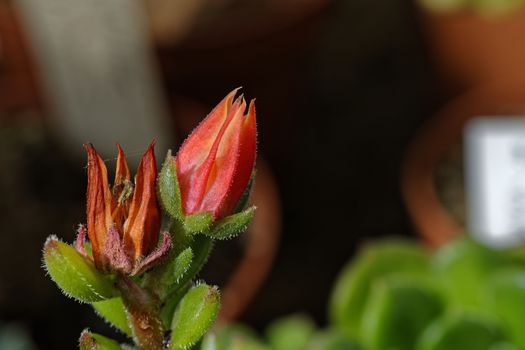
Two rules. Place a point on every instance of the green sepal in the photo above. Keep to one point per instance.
(243, 201)
(198, 222)
(174, 272)
(114, 312)
(232, 225)
(74, 274)
(168, 188)
(290, 333)
(195, 314)
(93, 341)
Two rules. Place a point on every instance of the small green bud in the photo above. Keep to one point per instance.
(168, 187)
(114, 312)
(74, 274)
(194, 315)
(93, 341)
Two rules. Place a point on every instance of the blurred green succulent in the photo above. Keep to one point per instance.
(488, 8)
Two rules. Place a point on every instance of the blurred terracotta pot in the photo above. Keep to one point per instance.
(469, 48)
(18, 88)
(212, 23)
(432, 221)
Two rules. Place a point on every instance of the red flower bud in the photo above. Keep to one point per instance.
(215, 163)
(123, 223)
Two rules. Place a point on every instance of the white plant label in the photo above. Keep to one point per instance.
(495, 180)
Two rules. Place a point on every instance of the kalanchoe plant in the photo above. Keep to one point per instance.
(141, 281)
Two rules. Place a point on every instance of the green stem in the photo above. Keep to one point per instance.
(143, 314)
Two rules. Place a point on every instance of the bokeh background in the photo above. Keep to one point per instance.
(342, 88)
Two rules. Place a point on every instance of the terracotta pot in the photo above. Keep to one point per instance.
(219, 23)
(431, 220)
(18, 88)
(468, 48)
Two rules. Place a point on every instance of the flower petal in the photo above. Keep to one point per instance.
(122, 190)
(157, 255)
(197, 154)
(245, 163)
(100, 204)
(223, 172)
(141, 230)
(114, 251)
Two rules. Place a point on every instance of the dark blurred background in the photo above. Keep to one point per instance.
(342, 86)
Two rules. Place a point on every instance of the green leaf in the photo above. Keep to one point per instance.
(331, 339)
(114, 312)
(290, 333)
(232, 225)
(232, 336)
(505, 297)
(198, 222)
(201, 247)
(173, 273)
(462, 267)
(194, 315)
(461, 332)
(170, 304)
(168, 188)
(445, 6)
(377, 260)
(504, 346)
(93, 341)
(75, 275)
(398, 310)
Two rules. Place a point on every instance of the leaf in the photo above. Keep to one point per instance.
(354, 283)
(232, 225)
(93, 341)
(168, 188)
(398, 310)
(173, 273)
(170, 304)
(462, 266)
(505, 297)
(194, 315)
(113, 311)
(332, 339)
(461, 331)
(290, 333)
(75, 275)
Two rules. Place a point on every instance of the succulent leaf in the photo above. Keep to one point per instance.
(194, 315)
(75, 275)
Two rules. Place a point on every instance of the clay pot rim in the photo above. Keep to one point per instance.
(431, 220)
